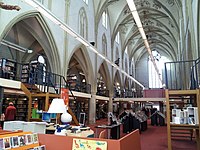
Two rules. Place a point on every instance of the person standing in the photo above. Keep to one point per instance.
(10, 112)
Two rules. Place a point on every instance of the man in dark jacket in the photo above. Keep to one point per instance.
(10, 112)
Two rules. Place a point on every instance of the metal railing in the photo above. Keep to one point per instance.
(182, 75)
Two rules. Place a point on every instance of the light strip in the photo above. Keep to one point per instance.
(16, 47)
(66, 28)
(141, 30)
(136, 17)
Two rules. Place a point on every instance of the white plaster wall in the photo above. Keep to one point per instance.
(142, 74)
(75, 6)
(195, 8)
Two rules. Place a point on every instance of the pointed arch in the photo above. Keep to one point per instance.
(41, 41)
(80, 59)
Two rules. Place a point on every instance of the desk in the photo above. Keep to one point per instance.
(113, 130)
(85, 132)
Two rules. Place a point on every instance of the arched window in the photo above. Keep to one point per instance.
(154, 81)
(104, 45)
(117, 54)
(41, 1)
(86, 1)
(105, 19)
(126, 65)
(83, 23)
(117, 38)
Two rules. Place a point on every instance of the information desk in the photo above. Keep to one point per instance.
(84, 131)
(113, 130)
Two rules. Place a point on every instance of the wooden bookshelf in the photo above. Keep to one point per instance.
(182, 94)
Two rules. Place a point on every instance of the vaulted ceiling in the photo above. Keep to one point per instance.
(160, 20)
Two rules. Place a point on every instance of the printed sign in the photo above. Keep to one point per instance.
(82, 144)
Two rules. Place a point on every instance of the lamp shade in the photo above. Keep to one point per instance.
(57, 106)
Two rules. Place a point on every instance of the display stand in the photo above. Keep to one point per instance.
(19, 140)
(184, 95)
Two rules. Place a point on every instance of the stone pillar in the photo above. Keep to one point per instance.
(110, 105)
(92, 108)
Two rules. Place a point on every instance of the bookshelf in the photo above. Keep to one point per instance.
(174, 116)
(22, 108)
(25, 73)
(21, 103)
(8, 68)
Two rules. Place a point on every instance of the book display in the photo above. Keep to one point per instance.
(20, 140)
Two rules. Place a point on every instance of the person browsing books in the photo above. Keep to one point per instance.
(10, 112)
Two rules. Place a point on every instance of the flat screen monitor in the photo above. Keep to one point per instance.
(82, 119)
(46, 117)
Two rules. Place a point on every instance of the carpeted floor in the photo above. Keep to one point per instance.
(155, 138)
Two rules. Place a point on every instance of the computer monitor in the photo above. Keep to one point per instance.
(82, 119)
(46, 117)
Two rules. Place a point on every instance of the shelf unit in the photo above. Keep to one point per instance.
(21, 103)
(172, 95)
(22, 108)
(28, 70)
(25, 73)
(8, 68)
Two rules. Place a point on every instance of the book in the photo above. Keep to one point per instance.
(37, 148)
(29, 139)
(6, 142)
(35, 138)
(15, 142)
(1, 144)
(42, 147)
(22, 140)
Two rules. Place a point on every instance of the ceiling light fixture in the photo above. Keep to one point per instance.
(16, 47)
(66, 28)
(136, 17)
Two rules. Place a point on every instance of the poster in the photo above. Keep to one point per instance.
(65, 95)
(82, 144)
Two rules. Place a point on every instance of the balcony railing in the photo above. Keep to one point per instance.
(182, 75)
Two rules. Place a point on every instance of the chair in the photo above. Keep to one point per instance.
(103, 134)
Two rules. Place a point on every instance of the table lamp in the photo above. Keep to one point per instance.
(66, 118)
(57, 106)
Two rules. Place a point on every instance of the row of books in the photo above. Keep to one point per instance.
(18, 141)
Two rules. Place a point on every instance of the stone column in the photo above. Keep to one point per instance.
(92, 108)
